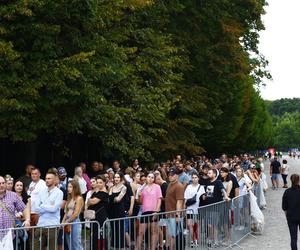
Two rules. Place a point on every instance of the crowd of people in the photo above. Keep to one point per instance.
(119, 192)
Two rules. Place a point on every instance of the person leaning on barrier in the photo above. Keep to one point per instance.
(10, 204)
(48, 207)
(291, 207)
(214, 191)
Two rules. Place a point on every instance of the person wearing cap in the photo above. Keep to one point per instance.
(174, 201)
(63, 179)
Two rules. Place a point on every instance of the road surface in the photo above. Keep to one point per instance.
(276, 234)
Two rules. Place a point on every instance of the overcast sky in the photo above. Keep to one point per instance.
(280, 43)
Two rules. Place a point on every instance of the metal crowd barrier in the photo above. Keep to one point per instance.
(153, 231)
(221, 225)
(217, 226)
(83, 235)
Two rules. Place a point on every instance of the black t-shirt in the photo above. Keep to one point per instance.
(291, 203)
(101, 207)
(127, 197)
(235, 184)
(163, 188)
(275, 167)
(204, 181)
(213, 192)
(25, 197)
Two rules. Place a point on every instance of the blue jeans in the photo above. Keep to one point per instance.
(74, 238)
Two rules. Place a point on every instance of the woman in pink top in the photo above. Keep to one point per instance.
(150, 198)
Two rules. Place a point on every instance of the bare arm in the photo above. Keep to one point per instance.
(228, 188)
(77, 210)
(158, 205)
(121, 195)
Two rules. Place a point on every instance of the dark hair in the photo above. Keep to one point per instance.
(101, 177)
(295, 180)
(121, 175)
(196, 174)
(24, 193)
(35, 168)
(284, 161)
(225, 170)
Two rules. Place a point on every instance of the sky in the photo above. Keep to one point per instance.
(280, 44)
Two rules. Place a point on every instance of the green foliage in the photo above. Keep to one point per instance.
(286, 121)
(286, 131)
(284, 105)
(142, 78)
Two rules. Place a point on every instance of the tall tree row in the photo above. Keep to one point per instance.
(143, 78)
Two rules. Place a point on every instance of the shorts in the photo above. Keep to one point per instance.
(174, 227)
(163, 222)
(147, 217)
(275, 176)
(192, 216)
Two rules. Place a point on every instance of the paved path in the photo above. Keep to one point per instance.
(276, 234)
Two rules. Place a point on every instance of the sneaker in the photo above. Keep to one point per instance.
(225, 244)
(196, 243)
(185, 232)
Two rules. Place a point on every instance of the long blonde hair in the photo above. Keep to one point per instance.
(76, 190)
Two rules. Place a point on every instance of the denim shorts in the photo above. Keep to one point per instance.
(174, 227)
(275, 176)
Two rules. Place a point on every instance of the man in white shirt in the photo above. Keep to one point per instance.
(48, 207)
(36, 186)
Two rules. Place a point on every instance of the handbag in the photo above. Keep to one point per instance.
(89, 214)
(192, 201)
(67, 229)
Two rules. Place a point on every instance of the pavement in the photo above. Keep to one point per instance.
(276, 234)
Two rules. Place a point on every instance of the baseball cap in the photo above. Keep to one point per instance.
(62, 171)
(172, 171)
(110, 170)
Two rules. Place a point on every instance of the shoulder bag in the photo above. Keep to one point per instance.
(192, 201)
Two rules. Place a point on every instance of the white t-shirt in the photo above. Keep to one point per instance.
(285, 169)
(190, 191)
(82, 184)
(88, 195)
(34, 189)
(243, 186)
